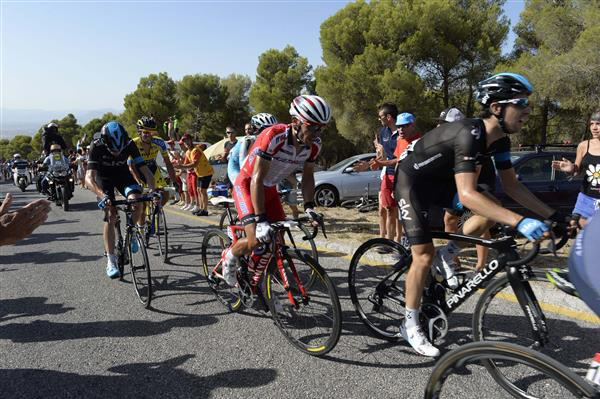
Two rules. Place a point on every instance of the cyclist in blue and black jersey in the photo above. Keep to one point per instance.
(443, 169)
(107, 170)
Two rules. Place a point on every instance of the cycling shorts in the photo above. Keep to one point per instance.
(124, 183)
(586, 206)
(243, 202)
(159, 182)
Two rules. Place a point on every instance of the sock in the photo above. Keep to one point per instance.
(112, 259)
(411, 319)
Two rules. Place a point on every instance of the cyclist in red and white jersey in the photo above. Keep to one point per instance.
(279, 151)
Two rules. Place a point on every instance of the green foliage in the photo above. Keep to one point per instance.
(94, 126)
(20, 144)
(422, 55)
(155, 96)
(280, 77)
(237, 103)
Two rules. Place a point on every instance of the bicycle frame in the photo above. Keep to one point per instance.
(436, 292)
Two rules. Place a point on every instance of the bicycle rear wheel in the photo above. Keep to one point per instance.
(546, 377)
(376, 284)
(213, 245)
(140, 267)
(498, 317)
(225, 221)
(314, 324)
(162, 233)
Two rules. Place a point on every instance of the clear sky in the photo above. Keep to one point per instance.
(90, 54)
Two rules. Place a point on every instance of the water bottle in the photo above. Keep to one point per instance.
(259, 260)
(593, 374)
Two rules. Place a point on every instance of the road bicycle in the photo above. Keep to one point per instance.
(377, 288)
(298, 293)
(365, 203)
(156, 226)
(137, 260)
(541, 376)
(229, 218)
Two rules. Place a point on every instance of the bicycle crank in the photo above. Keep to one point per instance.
(434, 320)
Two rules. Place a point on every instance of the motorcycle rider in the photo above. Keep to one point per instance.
(55, 162)
(20, 165)
(51, 136)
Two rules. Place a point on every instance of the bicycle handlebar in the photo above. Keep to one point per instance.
(128, 202)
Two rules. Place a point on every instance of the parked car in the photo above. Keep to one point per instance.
(534, 170)
(340, 182)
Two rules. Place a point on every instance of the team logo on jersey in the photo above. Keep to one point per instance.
(403, 206)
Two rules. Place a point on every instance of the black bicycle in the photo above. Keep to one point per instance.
(366, 203)
(376, 282)
(156, 226)
(131, 249)
(229, 217)
(540, 375)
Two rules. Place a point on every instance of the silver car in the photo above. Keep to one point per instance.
(341, 183)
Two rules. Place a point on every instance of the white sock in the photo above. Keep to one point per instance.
(411, 319)
(112, 259)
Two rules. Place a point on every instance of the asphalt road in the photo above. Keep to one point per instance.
(67, 331)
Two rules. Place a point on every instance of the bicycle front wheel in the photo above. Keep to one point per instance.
(213, 245)
(569, 327)
(140, 267)
(313, 321)
(545, 377)
(162, 233)
(377, 288)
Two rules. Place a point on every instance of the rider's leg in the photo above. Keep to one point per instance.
(110, 219)
(422, 255)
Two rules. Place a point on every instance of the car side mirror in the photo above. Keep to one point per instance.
(349, 169)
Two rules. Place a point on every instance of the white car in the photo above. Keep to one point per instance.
(340, 183)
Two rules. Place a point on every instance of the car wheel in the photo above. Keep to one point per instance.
(326, 196)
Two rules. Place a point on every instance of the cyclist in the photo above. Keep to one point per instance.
(51, 136)
(442, 169)
(149, 146)
(107, 170)
(278, 151)
(238, 153)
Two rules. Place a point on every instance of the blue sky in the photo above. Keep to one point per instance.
(87, 55)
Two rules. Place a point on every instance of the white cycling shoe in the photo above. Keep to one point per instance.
(417, 339)
(445, 266)
(229, 268)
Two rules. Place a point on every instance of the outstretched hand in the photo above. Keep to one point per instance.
(564, 166)
(15, 226)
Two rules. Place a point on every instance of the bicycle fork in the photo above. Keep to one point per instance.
(529, 304)
(286, 282)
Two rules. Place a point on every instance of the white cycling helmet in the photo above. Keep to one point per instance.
(263, 119)
(16, 156)
(310, 109)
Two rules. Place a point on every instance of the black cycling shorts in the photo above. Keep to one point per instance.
(124, 183)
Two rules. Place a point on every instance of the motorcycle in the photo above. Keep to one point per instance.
(22, 178)
(60, 184)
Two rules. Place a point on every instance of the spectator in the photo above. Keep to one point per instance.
(587, 163)
(15, 226)
(204, 172)
(187, 200)
(174, 157)
(231, 135)
(193, 158)
(248, 129)
(81, 165)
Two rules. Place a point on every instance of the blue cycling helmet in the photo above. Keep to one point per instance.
(502, 86)
(114, 136)
(405, 118)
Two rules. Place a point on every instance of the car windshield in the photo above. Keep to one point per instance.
(338, 165)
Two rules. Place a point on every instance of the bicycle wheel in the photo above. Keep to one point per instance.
(162, 233)
(224, 221)
(213, 245)
(498, 317)
(305, 247)
(546, 377)
(314, 324)
(376, 284)
(370, 206)
(349, 204)
(140, 267)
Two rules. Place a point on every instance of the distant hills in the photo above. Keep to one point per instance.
(28, 121)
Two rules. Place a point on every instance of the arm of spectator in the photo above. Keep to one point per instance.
(15, 226)
(361, 166)
(6, 204)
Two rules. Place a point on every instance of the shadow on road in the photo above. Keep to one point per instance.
(42, 238)
(47, 257)
(135, 380)
(29, 306)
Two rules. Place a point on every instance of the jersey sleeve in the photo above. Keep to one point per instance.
(93, 157)
(467, 148)
(501, 153)
(270, 141)
(134, 154)
(162, 147)
(315, 150)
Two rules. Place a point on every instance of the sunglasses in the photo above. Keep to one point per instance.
(518, 102)
(230, 132)
(144, 131)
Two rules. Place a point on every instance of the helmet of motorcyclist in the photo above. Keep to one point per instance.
(262, 120)
(115, 136)
(55, 148)
(312, 110)
(17, 156)
(502, 86)
(51, 128)
(146, 123)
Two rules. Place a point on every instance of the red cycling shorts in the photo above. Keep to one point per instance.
(387, 188)
(243, 202)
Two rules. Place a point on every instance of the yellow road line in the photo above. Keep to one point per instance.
(561, 310)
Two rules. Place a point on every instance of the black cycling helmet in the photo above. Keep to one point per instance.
(146, 122)
(51, 128)
(502, 86)
(115, 136)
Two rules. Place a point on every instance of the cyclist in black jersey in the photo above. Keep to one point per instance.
(443, 168)
(107, 170)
